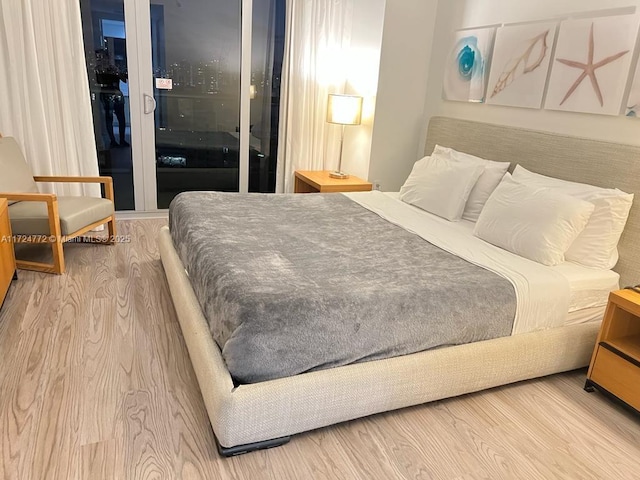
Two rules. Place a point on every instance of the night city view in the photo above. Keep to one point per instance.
(197, 119)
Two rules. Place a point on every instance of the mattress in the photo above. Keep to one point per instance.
(588, 288)
(253, 283)
(295, 283)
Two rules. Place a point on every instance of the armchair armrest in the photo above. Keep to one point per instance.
(30, 197)
(50, 199)
(61, 179)
(106, 181)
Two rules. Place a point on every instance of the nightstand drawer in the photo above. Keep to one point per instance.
(618, 376)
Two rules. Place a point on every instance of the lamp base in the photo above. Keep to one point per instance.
(339, 175)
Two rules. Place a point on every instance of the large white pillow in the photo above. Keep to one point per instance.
(535, 223)
(440, 186)
(486, 184)
(597, 245)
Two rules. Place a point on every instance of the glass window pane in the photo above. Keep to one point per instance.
(196, 44)
(106, 54)
(266, 57)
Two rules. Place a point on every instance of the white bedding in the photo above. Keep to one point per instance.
(590, 287)
(547, 297)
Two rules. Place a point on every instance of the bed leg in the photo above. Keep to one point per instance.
(251, 447)
(588, 386)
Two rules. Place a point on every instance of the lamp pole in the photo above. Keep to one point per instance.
(341, 147)
(343, 110)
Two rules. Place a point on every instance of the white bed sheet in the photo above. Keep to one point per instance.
(589, 287)
(585, 315)
(547, 297)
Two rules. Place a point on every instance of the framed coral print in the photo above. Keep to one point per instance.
(520, 64)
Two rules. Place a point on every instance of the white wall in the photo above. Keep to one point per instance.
(362, 79)
(454, 14)
(402, 89)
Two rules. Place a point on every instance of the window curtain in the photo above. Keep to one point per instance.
(44, 90)
(317, 41)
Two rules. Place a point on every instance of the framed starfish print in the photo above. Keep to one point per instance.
(592, 63)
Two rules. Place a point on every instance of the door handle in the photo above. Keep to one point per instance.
(149, 101)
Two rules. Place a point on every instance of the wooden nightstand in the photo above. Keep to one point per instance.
(615, 364)
(7, 256)
(319, 181)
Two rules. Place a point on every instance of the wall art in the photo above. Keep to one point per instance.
(591, 65)
(633, 104)
(468, 65)
(520, 64)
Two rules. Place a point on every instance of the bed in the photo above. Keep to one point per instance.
(264, 414)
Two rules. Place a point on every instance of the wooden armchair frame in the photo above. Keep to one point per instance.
(55, 237)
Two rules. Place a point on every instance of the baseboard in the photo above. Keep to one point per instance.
(133, 215)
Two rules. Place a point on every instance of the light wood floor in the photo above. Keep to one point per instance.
(96, 383)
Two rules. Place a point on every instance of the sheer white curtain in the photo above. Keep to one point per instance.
(318, 36)
(44, 91)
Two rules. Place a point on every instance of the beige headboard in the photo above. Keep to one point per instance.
(577, 159)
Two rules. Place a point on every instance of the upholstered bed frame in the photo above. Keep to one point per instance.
(265, 414)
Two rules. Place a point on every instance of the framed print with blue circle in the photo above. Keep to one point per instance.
(468, 64)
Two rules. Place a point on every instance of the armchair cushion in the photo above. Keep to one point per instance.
(16, 176)
(30, 218)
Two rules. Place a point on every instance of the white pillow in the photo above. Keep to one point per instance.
(486, 184)
(535, 223)
(440, 186)
(597, 245)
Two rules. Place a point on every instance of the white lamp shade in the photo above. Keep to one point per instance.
(344, 109)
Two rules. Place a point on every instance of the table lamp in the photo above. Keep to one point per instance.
(343, 110)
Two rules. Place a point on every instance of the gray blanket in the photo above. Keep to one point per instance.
(295, 283)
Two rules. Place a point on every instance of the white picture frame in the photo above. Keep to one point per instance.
(633, 102)
(606, 43)
(468, 63)
(520, 65)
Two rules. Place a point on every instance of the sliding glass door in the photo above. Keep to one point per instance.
(267, 50)
(107, 67)
(196, 54)
(202, 79)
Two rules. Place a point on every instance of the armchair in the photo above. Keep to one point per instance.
(47, 218)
